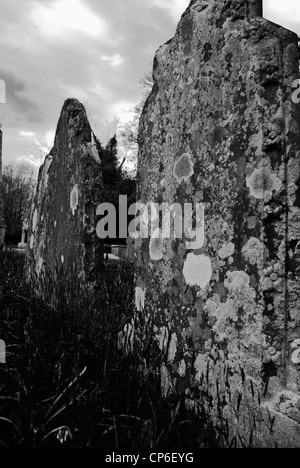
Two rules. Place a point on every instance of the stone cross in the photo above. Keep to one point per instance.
(23, 243)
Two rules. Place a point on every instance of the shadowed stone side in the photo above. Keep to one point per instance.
(220, 129)
(62, 234)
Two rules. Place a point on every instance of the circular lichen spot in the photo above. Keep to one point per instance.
(236, 280)
(227, 250)
(74, 199)
(183, 169)
(263, 182)
(197, 270)
(254, 251)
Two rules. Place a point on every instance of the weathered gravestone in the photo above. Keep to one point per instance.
(62, 240)
(220, 130)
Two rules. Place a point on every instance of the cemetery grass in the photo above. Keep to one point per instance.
(67, 385)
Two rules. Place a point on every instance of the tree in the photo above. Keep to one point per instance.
(104, 129)
(36, 148)
(111, 171)
(128, 133)
(26, 169)
(18, 193)
(123, 147)
(116, 181)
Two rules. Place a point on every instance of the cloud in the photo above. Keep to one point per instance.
(25, 134)
(285, 13)
(2, 92)
(175, 8)
(19, 98)
(124, 110)
(62, 16)
(95, 51)
(288, 8)
(114, 60)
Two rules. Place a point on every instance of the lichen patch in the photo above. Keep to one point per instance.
(139, 299)
(236, 280)
(184, 168)
(263, 182)
(254, 252)
(74, 199)
(182, 368)
(201, 366)
(34, 220)
(227, 250)
(172, 348)
(163, 338)
(197, 270)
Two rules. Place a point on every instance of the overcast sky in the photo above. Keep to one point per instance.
(93, 50)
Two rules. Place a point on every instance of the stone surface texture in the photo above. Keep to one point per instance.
(220, 129)
(62, 238)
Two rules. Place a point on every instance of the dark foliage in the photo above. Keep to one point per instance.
(66, 383)
(17, 194)
(116, 182)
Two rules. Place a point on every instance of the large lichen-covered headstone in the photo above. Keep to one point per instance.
(220, 131)
(62, 241)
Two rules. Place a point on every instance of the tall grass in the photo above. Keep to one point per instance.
(66, 383)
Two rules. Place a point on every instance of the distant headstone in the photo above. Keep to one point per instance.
(62, 234)
(119, 251)
(220, 130)
(23, 244)
(130, 251)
